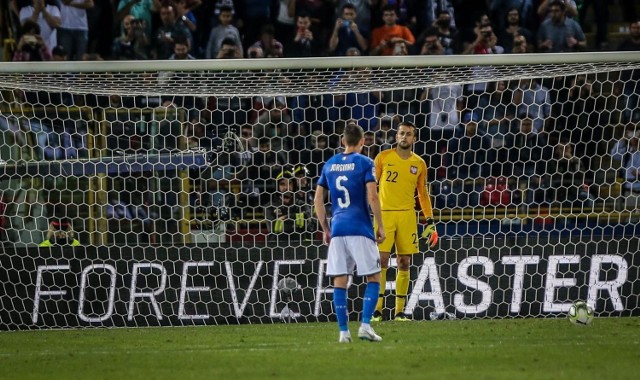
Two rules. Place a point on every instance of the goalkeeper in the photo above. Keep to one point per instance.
(400, 172)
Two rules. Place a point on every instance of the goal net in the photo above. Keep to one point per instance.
(166, 193)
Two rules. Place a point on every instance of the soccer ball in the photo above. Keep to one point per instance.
(580, 313)
(288, 286)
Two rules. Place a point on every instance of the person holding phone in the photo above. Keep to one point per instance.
(46, 14)
(31, 46)
(347, 33)
(304, 43)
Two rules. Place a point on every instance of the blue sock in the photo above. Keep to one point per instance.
(370, 300)
(340, 305)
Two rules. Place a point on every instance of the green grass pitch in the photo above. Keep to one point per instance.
(462, 349)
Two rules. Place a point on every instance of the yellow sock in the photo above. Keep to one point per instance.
(402, 287)
(383, 285)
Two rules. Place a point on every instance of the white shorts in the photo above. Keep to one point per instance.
(347, 252)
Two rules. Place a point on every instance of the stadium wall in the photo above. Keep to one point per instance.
(527, 276)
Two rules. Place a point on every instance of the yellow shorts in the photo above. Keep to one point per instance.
(401, 228)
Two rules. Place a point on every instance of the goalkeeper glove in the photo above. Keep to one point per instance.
(300, 220)
(430, 233)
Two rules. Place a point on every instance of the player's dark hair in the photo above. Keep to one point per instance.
(353, 133)
(410, 125)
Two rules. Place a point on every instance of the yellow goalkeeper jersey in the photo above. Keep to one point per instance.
(398, 180)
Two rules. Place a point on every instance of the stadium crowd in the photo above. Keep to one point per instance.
(517, 135)
(159, 29)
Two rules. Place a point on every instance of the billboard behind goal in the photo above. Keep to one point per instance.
(468, 278)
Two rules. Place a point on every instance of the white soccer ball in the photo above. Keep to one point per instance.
(287, 286)
(580, 313)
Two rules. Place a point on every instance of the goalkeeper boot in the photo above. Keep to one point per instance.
(402, 317)
(345, 337)
(367, 333)
(377, 316)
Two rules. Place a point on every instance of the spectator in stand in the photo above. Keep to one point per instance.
(140, 10)
(371, 148)
(430, 13)
(361, 106)
(406, 10)
(390, 37)
(134, 43)
(631, 169)
(58, 54)
(275, 123)
(631, 78)
(304, 43)
(265, 109)
(185, 17)
(225, 31)
(507, 35)
(168, 32)
(468, 151)
(520, 45)
(386, 134)
(290, 216)
(486, 42)
(229, 50)
(217, 9)
(267, 46)
(528, 154)
(532, 100)
(571, 9)
(347, 33)
(196, 136)
(588, 115)
(632, 42)
(181, 48)
(499, 10)
(268, 161)
(431, 44)
(565, 177)
(31, 46)
(496, 111)
(362, 9)
(46, 14)
(304, 183)
(620, 152)
(321, 18)
(447, 33)
(601, 16)
(468, 33)
(319, 153)
(60, 233)
(559, 33)
(73, 32)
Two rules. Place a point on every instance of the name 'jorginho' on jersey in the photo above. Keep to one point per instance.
(346, 177)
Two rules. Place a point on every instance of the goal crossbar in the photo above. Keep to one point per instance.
(296, 76)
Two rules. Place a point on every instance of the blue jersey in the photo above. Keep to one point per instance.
(346, 177)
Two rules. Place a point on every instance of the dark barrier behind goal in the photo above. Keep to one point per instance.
(44, 288)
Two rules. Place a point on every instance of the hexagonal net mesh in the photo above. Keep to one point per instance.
(165, 193)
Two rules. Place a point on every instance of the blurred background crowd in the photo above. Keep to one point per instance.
(569, 140)
(181, 29)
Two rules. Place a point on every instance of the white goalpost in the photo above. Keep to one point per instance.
(144, 193)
